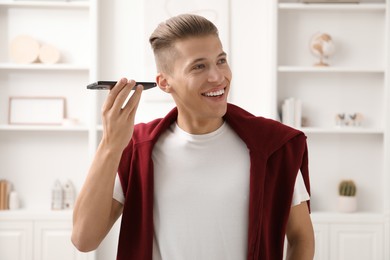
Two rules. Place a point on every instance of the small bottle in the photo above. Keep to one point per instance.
(57, 196)
(69, 195)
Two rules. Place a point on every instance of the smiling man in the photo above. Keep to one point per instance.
(199, 83)
(209, 180)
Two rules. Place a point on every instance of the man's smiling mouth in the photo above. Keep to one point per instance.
(214, 93)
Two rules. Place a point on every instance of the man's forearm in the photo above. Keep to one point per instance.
(92, 212)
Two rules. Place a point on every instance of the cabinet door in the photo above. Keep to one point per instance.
(321, 233)
(52, 241)
(358, 242)
(16, 240)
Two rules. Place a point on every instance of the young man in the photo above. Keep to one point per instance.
(208, 181)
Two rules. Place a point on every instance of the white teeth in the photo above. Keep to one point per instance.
(215, 93)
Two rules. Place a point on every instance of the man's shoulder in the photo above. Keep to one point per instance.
(147, 127)
(250, 123)
(259, 131)
(145, 131)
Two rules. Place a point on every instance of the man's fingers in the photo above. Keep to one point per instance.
(112, 96)
(123, 94)
(119, 95)
(131, 107)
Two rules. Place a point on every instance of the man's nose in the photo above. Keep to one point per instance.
(215, 74)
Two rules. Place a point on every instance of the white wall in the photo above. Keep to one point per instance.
(122, 51)
(121, 55)
(252, 47)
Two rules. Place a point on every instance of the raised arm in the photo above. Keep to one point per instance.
(95, 210)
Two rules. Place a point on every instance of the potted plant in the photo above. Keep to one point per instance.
(347, 196)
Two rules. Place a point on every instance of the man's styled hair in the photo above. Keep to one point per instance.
(177, 28)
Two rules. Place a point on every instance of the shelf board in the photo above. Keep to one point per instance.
(317, 217)
(46, 4)
(329, 69)
(35, 214)
(46, 128)
(333, 7)
(355, 217)
(43, 67)
(341, 130)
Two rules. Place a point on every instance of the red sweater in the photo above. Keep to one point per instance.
(276, 151)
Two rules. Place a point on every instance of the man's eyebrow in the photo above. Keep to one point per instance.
(196, 61)
(222, 54)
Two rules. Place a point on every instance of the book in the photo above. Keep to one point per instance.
(292, 112)
(5, 188)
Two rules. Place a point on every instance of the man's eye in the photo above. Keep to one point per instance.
(222, 61)
(198, 66)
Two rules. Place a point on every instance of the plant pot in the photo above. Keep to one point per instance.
(347, 204)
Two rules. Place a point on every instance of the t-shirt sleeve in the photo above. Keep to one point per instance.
(300, 192)
(118, 191)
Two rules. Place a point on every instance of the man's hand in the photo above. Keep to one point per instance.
(118, 122)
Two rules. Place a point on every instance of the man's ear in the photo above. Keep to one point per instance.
(162, 82)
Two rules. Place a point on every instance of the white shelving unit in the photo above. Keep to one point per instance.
(75, 35)
(34, 156)
(357, 81)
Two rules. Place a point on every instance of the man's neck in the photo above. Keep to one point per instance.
(199, 127)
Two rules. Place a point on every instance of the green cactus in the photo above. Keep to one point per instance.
(347, 188)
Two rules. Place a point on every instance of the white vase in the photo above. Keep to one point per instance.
(347, 204)
(13, 200)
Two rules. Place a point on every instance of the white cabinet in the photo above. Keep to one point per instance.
(52, 241)
(38, 236)
(16, 240)
(349, 236)
(357, 241)
(321, 234)
(357, 81)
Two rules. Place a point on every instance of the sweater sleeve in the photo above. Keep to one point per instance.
(124, 167)
(282, 167)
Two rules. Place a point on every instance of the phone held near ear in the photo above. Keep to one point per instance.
(99, 85)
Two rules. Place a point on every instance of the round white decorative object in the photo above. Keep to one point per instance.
(24, 49)
(322, 46)
(49, 54)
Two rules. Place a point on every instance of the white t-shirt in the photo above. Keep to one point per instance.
(201, 195)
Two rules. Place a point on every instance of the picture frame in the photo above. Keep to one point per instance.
(36, 110)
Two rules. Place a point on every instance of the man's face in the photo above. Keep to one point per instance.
(200, 80)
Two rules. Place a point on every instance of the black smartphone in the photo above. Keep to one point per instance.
(110, 84)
